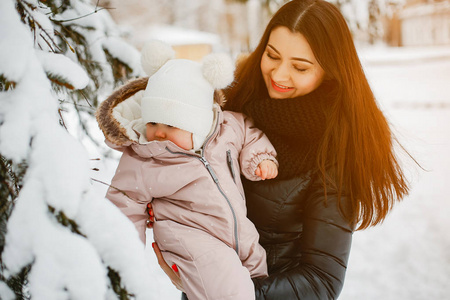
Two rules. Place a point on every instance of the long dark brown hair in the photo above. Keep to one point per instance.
(356, 156)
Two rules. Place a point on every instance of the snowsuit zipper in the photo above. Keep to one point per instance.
(216, 181)
(210, 170)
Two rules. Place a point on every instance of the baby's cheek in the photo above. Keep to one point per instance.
(185, 141)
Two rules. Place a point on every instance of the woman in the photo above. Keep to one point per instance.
(305, 88)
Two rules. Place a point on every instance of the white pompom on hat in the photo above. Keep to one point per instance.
(154, 55)
(180, 92)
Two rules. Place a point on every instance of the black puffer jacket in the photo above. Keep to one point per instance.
(307, 239)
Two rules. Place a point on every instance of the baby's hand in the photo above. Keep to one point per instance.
(267, 169)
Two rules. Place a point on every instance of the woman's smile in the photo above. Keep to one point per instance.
(280, 88)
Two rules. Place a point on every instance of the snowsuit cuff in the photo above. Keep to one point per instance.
(254, 163)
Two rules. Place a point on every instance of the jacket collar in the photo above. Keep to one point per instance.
(119, 118)
(146, 149)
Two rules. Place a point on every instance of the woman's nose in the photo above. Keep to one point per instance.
(280, 72)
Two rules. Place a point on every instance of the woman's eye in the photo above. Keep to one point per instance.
(152, 123)
(299, 69)
(271, 56)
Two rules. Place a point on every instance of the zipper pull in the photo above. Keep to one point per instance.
(230, 164)
(229, 160)
(210, 169)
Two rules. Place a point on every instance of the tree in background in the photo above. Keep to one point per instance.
(364, 17)
(58, 240)
(374, 29)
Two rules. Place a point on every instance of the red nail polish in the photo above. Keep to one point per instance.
(175, 268)
(153, 245)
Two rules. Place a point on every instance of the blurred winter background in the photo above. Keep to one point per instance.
(61, 240)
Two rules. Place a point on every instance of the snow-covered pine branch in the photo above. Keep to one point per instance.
(61, 239)
(83, 33)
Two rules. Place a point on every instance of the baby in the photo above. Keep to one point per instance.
(183, 154)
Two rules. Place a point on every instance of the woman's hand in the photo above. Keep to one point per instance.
(171, 272)
(151, 216)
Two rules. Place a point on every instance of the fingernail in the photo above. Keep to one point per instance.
(153, 245)
(175, 268)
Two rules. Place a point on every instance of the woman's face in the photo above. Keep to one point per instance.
(288, 65)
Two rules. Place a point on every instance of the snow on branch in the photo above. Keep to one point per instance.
(72, 244)
(63, 71)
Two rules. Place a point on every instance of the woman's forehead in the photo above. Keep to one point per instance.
(290, 44)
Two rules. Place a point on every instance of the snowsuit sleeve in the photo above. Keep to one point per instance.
(126, 195)
(256, 147)
(323, 250)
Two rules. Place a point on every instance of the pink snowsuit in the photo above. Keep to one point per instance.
(197, 197)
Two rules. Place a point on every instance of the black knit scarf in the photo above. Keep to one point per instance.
(295, 127)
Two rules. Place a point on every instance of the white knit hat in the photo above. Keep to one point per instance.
(180, 92)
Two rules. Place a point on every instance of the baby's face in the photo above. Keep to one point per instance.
(162, 132)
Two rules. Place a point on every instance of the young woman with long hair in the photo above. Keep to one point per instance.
(305, 88)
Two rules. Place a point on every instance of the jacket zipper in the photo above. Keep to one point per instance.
(216, 181)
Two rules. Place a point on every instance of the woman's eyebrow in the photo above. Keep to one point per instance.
(293, 58)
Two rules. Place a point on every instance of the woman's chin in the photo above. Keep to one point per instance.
(279, 96)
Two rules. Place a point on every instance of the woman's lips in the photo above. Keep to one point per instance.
(280, 88)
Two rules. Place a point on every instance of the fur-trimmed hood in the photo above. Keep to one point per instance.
(109, 120)
(119, 116)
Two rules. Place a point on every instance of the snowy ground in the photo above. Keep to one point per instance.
(407, 257)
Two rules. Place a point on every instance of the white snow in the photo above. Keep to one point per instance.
(12, 43)
(407, 257)
(128, 54)
(60, 65)
(6, 292)
(65, 265)
(180, 36)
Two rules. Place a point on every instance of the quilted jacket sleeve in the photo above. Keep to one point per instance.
(128, 198)
(256, 147)
(324, 251)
